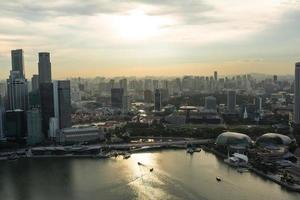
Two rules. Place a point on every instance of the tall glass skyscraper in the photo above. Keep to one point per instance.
(17, 61)
(297, 95)
(62, 103)
(44, 68)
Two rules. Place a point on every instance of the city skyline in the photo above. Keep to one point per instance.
(140, 38)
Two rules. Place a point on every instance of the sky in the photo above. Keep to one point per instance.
(152, 37)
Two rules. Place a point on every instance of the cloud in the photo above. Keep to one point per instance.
(90, 29)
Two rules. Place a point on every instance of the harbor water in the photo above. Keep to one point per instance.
(175, 175)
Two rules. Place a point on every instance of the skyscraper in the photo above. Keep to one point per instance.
(44, 68)
(123, 85)
(35, 82)
(157, 100)
(297, 95)
(62, 103)
(17, 91)
(210, 103)
(17, 61)
(15, 124)
(216, 75)
(117, 97)
(34, 127)
(231, 101)
(47, 105)
(2, 111)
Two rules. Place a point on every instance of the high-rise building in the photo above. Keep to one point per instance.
(216, 75)
(297, 95)
(17, 91)
(275, 78)
(210, 103)
(231, 101)
(35, 83)
(17, 61)
(34, 127)
(44, 67)
(157, 100)
(2, 112)
(117, 98)
(148, 96)
(47, 105)
(123, 85)
(62, 103)
(15, 124)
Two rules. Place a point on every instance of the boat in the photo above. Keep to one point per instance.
(197, 150)
(126, 156)
(139, 163)
(151, 170)
(218, 179)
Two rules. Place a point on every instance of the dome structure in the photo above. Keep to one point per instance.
(233, 139)
(273, 139)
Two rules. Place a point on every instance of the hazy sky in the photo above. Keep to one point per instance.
(152, 37)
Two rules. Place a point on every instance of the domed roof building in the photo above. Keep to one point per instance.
(273, 139)
(229, 139)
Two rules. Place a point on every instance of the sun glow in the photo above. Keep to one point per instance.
(137, 25)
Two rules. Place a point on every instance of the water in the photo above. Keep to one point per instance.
(176, 175)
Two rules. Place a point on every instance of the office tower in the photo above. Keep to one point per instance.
(34, 127)
(53, 127)
(275, 78)
(216, 75)
(15, 124)
(44, 68)
(17, 62)
(148, 96)
(157, 100)
(47, 105)
(2, 112)
(3, 89)
(148, 84)
(123, 85)
(210, 103)
(297, 95)
(117, 98)
(62, 103)
(35, 83)
(231, 101)
(17, 91)
(155, 85)
(164, 93)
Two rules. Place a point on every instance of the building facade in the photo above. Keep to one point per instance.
(44, 68)
(297, 95)
(34, 127)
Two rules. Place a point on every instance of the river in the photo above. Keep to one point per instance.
(176, 175)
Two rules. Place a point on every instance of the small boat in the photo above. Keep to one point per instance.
(151, 170)
(218, 179)
(139, 163)
(197, 150)
(126, 156)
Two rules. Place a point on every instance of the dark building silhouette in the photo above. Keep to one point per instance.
(47, 105)
(44, 68)
(117, 97)
(157, 100)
